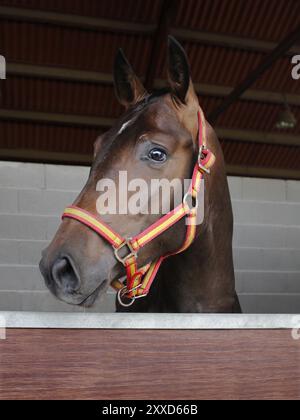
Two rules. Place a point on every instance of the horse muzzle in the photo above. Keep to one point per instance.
(63, 280)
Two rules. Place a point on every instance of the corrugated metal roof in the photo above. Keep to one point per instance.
(130, 10)
(261, 155)
(68, 47)
(92, 99)
(55, 45)
(44, 137)
(256, 116)
(267, 20)
(57, 96)
(47, 137)
(95, 50)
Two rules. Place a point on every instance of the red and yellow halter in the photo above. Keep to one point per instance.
(139, 280)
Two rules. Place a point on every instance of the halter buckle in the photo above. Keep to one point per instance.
(132, 252)
(200, 158)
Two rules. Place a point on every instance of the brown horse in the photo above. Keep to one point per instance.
(155, 138)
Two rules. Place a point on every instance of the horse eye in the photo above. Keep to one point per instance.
(157, 155)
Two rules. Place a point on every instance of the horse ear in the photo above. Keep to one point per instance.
(128, 87)
(179, 75)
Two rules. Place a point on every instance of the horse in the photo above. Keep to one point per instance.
(156, 137)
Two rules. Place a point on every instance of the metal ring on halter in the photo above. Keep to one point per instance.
(123, 292)
(200, 158)
(194, 201)
(141, 296)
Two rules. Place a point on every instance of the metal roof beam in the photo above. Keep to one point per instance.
(90, 23)
(58, 73)
(168, 9)
(261, 172)
(255, 95)
(252, 136)
(80, 22)
(79, 120)
(229, 41)
(26, 155)
(64, 119)
(45, 156)
(65, 74)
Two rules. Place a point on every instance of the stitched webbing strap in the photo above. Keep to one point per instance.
(95, 224)
(160, 226)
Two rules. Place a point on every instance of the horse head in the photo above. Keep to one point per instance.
(156, 138)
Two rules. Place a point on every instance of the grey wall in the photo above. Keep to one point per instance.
(266, 243)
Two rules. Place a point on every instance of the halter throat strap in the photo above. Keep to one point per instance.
(139, 280)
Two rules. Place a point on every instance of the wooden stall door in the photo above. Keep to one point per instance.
(119, 364)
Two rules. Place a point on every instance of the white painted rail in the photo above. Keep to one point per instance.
(148, 321)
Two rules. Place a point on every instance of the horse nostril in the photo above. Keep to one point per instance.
(65, 276)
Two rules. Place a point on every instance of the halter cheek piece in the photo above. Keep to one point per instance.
(139, 280)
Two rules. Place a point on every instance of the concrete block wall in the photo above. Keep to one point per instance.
(32, 198)
(267, 244)
(266, 238)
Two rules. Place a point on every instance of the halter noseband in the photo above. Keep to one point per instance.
(139, 280)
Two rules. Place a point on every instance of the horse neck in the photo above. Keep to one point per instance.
(202, 278)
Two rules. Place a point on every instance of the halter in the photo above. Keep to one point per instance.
(139, 280)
